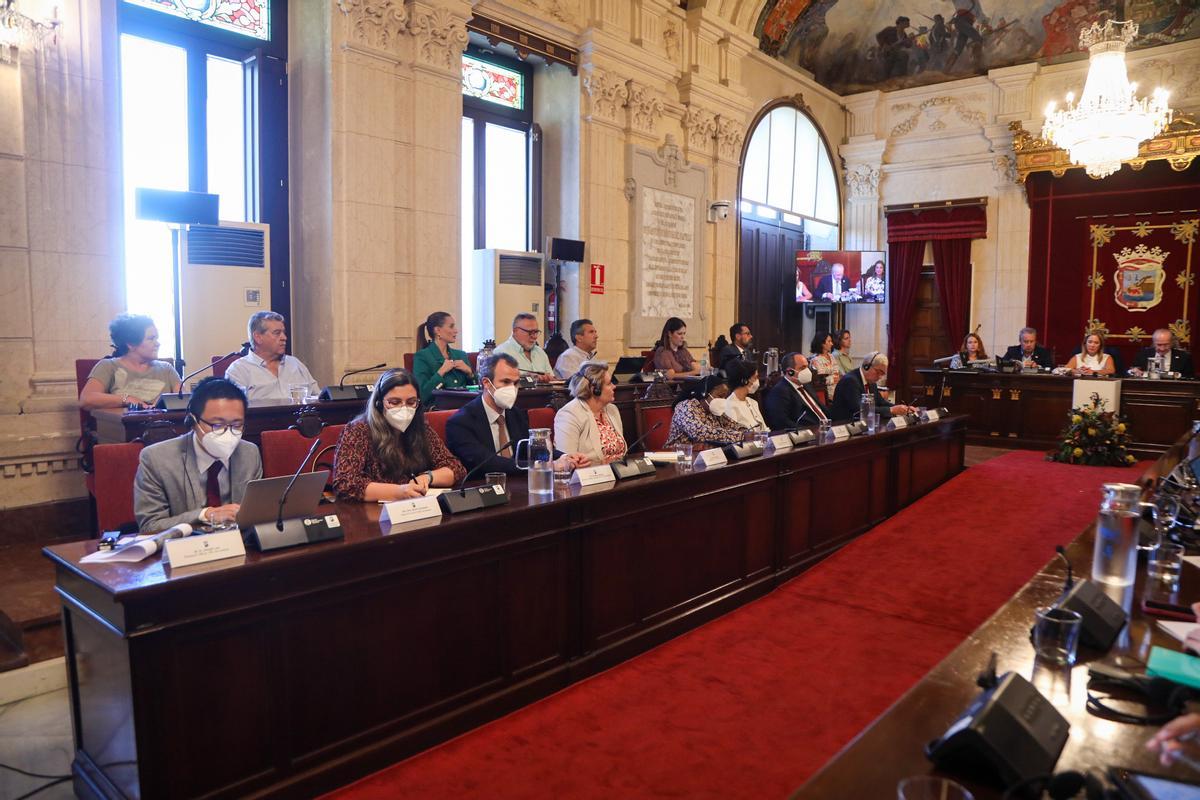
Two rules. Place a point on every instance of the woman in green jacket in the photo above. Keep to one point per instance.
(437, 365)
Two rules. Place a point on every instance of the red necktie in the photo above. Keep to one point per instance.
(213, 487)
(812, 406)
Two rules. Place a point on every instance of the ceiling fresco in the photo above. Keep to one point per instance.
(861, 45)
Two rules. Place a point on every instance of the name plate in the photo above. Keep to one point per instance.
(713, 457)
(897, 422)
(780, 441)
(934, 414)
(204, 548)
(802, 437)
(840, 432)
(590, 476)
(411, 509)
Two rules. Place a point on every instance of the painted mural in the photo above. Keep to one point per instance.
(860, 45)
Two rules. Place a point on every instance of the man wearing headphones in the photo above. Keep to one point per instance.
(789, 404)
(200, 477)
(847, 398)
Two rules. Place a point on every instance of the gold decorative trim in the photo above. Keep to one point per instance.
(1178, 144)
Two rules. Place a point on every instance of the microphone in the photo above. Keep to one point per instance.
(624, 467)
(342, 382)
(462, 485)
(176, 401)
(283, 497)
(939, 361)
(640, 439)
(459, 500)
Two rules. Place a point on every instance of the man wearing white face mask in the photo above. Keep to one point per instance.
(200, 477)
(790, 404)
(484, 425)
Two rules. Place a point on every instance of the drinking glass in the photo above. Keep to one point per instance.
(562, 471)
(298, 391)
(683, 457)
(931, 787)
(1165, 563)
(1056, 634)
(825, 432)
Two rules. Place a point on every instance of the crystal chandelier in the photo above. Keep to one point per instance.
(1109, 122)
(17, 29)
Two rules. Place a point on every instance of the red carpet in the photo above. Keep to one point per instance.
(752, 704)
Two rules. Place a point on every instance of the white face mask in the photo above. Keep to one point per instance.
(400, 417)
(804, 376)
(221, 445)
(754, 387)
(505, 397)
(717, 406)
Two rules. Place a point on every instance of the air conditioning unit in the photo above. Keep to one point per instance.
(499, 285)
(224, 278)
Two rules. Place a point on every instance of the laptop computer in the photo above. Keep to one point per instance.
(628, 368)
(261, 501)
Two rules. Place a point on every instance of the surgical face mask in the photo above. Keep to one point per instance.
(717, 406)
(804, 376)
(505, 396)
(221, 445)
(400, 417)
(754, 386)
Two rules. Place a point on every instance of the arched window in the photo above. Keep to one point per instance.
(788, 177)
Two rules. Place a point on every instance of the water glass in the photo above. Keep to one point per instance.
(931, 787)
(298, 391)
(825, 431)
(1056, 634)
(496, 479)
(763, 438)
(1165, 563)
(562, 471)
(867, 411)
(683, 456)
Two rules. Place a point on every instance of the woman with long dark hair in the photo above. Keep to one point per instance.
(132, 377)
(437, 365)
(388, 452)
(672, 353)
(824, 362)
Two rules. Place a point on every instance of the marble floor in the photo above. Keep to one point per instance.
(35, 735)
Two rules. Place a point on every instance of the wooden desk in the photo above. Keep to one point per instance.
(891, 749)
(114, 425)
(295, 672)
(1029, 411)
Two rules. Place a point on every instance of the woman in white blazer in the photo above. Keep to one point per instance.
(590, 424)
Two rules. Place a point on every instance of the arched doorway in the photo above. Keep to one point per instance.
(789, 200)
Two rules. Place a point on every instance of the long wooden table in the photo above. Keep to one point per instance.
(1029, 411)
(294, 672)
(116, 425)
(892, 747)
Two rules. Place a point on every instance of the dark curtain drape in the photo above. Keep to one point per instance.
(952, 272)
(905, 259)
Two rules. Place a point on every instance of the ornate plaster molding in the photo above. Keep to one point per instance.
(730, 134)
(700, 125)
(376, 24)
(862, 180)
(607, 94)
(670, 37)
(630, 190)
(441, 38)
(935, 110)
(39, 466)
(672, 160)
(645, 107)
(1006, 169)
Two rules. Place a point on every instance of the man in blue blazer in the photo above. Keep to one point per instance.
(847, 397)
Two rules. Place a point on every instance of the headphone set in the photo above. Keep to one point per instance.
(381, 387)
(870, 362)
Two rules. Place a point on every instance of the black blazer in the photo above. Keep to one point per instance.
(1041, 355)
(825, 284)
(1181, 361)
(847, 398)
(783, 408)
(469, 437)
(728, 353)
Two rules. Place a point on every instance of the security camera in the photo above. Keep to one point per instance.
(718, 210)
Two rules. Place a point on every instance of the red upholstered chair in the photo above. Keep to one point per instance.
(221, 363)
(647, 417)
(115, 468)
(282, 450)
(648, 364)
(473, 359)
(83, 368)
(408, 361)
(437, 420)
(541, 417)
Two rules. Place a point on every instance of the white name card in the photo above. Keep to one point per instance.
(398, 511)
(590, 476)
(898, 422)
(780, 441)
(204, 548)
(933, 415)
(713, 457)
(841, 432)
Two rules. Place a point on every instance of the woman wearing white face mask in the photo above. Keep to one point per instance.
(388, 452)
(590, 425)
(740, 407)
(700, 414)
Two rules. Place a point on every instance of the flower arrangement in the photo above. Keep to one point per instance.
(1094, 437)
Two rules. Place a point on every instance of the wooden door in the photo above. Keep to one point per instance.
(926, 338)
(767, 284)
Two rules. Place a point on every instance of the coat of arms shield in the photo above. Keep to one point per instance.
(1138, 281)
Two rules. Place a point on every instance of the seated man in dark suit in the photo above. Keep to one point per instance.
(847, 398)
(478, 429)
(1029, 352)
(198, 478)
(790, 404)
(1174, 359)
(740, 338)
(835, 285)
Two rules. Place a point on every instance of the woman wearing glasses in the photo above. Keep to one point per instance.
(388, 452)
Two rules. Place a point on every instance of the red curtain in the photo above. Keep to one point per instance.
(956, 222)
(905, 260)
(952, 273)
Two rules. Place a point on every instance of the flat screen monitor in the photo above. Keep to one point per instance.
(841, 276)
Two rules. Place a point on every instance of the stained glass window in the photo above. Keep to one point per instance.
(505, 87)
(247, 17)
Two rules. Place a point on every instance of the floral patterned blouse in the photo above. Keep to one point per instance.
(612, 444)
(355, 464)
(693, 422)
(828, 365)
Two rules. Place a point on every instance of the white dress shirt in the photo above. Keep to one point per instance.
(252, 374)
(492, 416)
(535, 360)
(204, 461)
(745, 412)
(571, 360)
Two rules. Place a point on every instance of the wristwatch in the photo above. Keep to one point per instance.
(429, 472)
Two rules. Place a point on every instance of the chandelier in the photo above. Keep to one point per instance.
(1109, 122)
(17, 29)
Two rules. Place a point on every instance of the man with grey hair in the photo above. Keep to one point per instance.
(583, 348)
(267, 372)
(1029, 352)
(847, 398)
(1172, 358)
(523, 346)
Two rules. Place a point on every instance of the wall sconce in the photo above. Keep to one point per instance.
(718, 210)
(18, 29)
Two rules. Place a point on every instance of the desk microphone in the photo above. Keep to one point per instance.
(937, 362)
(1070, 581)
(630, 448)
(462, 485)
(283, 497)
(458, 500)
(342, 382)
(178, 403)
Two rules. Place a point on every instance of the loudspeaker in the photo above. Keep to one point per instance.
(1103, 617)
(742, 450)
(565, 250)
(1009, 734)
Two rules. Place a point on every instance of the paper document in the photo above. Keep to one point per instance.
(1193, 560)
(1179, 630)
(139, 547)
(663, 456)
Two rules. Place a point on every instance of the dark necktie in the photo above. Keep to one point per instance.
(812, 406)
(501, 430)
(213, 486)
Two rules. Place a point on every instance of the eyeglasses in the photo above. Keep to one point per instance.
(533, 332)
(221, 427)
(395, 402)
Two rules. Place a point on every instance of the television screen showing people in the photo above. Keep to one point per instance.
(841, 276)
